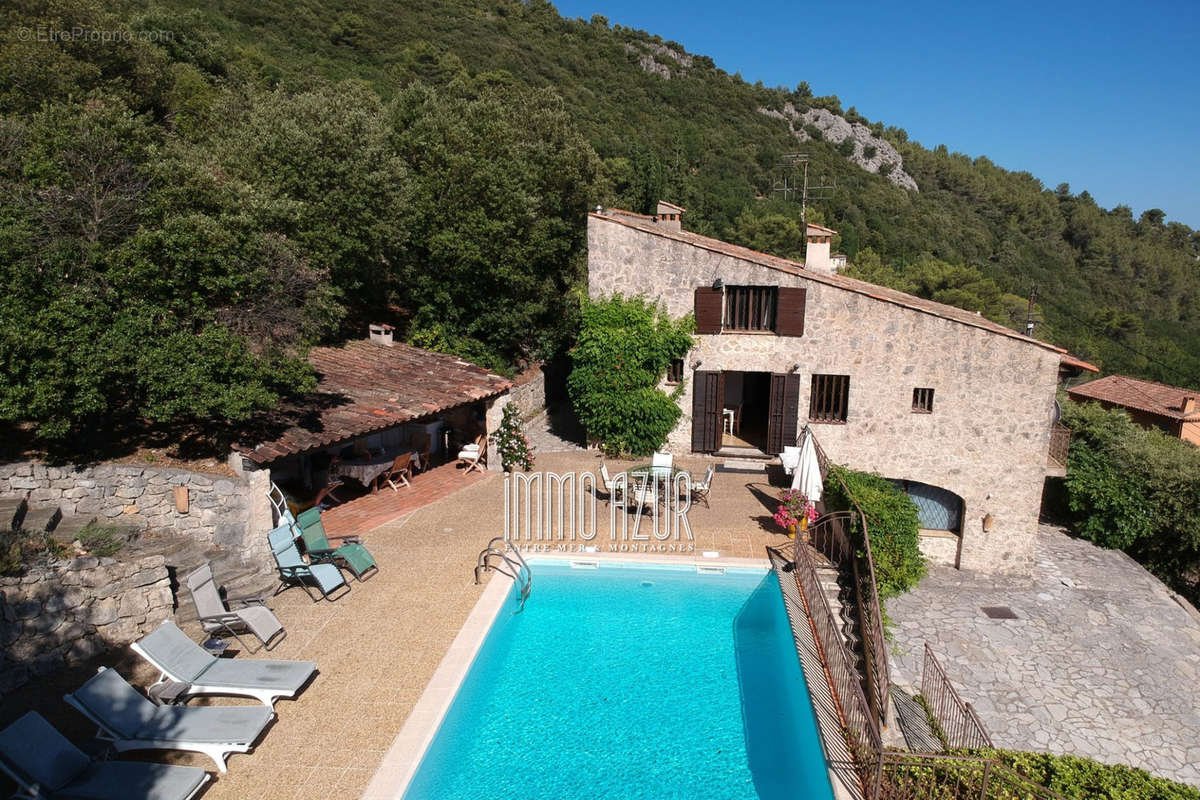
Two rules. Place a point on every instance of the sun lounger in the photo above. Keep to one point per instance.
(217, 616)
(351, 555)
(45, 765)
(180, 659)
(131, 722)
(294, 570)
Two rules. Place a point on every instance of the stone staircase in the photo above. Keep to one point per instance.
(841, 602)
(182, 555)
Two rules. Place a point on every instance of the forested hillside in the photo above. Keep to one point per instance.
(182, 214)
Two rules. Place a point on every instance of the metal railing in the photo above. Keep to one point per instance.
(923, 776)
(859, 720)
(960, 726)
(1060, 445)
(848, 548)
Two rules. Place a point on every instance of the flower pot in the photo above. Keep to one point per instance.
(791, 531)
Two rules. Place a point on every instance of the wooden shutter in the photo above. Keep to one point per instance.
(789, 315)
(775, 414)
(708, 397)
(708, 307)
(783, 413)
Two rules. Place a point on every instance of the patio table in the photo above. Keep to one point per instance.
(366, 470)
(638, 476)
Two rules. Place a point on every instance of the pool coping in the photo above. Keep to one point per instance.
(395, 772)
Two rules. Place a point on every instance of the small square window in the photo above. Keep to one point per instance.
(675, 371)
(922, 401)
(830, 398)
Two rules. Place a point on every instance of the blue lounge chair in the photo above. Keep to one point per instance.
(293, 569)
(131, 722)
(45, 765)
(180, 659)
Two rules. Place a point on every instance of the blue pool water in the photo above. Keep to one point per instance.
(632, 682)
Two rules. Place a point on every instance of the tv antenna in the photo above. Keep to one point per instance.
(791, 179)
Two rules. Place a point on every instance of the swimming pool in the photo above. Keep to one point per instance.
(628, 682)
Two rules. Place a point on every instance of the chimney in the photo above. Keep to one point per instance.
(1189, 405)
(669, 215)
(816, 254)
(381, 333)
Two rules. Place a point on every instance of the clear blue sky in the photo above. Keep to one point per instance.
(1102, 95)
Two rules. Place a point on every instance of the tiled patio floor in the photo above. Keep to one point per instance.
(378, 646)
(373, 510)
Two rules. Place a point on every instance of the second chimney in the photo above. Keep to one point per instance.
(381, 333)
(669, 215)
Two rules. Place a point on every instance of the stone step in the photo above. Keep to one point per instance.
(68, 528)
(41, 518)
(10, 509)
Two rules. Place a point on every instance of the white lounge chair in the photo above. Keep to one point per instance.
(130, 721)
(45, 765)
(180, 659)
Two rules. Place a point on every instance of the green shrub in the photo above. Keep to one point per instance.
(1085, 779)
(625, 346)
(869, 151)
(101, 540)
(891, 521)
(1135, 489)
(846, 147)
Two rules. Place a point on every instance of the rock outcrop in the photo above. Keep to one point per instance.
(872, 153)
(650, 53)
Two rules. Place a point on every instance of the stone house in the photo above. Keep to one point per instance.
(957, 409)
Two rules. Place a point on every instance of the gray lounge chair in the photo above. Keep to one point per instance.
(217, 616)
(180, 659)
(293, 569)
(131, 722)
(45, 765)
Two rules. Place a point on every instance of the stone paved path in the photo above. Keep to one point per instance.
(543, 436)
(1101, 661)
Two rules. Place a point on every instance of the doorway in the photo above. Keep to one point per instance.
(748, 397)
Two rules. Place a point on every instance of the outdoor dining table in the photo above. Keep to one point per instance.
(640, 476)
(366, 469)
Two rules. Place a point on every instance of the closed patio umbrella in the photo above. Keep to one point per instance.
(807, 475)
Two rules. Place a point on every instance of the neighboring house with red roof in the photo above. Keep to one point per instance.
(956, 407)
(1172, 409)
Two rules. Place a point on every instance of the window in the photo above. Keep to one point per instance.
(675, 371)
(830, 398)
(750, 308)
(922, 401)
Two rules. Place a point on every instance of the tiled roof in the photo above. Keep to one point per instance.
(364, 387)
(840, 281)
(1069, 360)
(1155, 398)
(670, 207)
(821, 229)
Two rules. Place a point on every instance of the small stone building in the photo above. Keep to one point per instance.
(954, 407)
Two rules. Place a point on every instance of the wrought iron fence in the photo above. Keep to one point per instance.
(848, 548)
(960, 726)
(859, 721)
(1060, 444)
(924, 776)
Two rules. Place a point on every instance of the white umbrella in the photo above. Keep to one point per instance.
(807, 475)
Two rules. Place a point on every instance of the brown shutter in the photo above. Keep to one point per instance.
(708, 395)
(775, 414)
(789, 320)
(708, 310)
(791, 408)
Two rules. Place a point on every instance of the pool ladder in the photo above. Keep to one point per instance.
(512, 564)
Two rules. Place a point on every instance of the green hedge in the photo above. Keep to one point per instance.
(1135, 489)
(1085, 779)
(891, 521)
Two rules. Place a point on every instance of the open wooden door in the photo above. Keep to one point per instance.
(708, 400)
(783, 416)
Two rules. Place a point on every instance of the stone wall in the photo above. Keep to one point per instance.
(529, 394)
(987, 438)
(230, 513)
(61, 615)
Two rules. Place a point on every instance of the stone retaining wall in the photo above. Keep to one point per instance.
(61, 615)
(226, 512)
(529, 394)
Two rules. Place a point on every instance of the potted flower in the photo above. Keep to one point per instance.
(795, 511)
